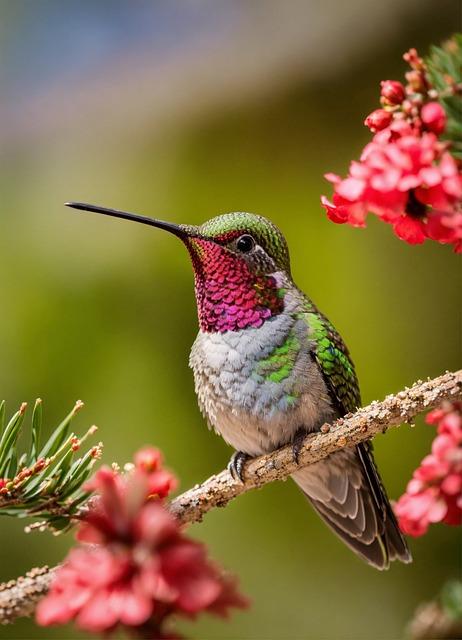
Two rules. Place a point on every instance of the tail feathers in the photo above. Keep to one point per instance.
(372, 552)
(346, 490)
(397, 546)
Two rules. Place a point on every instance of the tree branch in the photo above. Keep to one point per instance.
(367, 422)
(18, 597)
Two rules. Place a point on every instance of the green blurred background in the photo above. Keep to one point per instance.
(184, 110)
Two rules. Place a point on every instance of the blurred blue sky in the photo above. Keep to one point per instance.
(89, 34)
(60, 61)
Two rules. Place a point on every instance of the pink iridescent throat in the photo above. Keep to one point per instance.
(229, 296)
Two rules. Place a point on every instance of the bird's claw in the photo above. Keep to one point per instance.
(297, 444)
(236, 465)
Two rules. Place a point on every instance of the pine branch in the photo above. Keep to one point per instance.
(18, 597)
(46, 481)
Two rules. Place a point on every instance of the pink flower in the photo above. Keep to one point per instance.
(408, 181)
(433, 117)
(442, 185)
(416, 512)
(137, 568)
(434, 494)
(406, 175)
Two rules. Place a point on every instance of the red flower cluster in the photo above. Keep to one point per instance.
(435, 492)
(140, 568)
(406, 175)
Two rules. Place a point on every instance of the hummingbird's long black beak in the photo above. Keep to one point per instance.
(178, 230)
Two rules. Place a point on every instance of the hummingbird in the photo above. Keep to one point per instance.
(269, 368)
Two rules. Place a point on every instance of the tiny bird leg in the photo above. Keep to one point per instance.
(236, 465)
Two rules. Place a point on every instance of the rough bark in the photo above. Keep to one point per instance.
(18, 597)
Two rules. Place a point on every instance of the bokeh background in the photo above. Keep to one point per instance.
(184, 110)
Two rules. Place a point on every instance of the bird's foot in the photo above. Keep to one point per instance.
(297, 443)
(236, 464)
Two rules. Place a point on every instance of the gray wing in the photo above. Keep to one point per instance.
(345, 489)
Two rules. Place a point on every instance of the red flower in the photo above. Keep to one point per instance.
(410, 230)
(407, 180)
(406, 176)
(140, 568)
(434, 494)
(398, 176)
(148, 459)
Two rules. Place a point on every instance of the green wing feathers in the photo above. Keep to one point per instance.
(334, 361)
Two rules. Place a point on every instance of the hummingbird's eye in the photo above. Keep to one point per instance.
(245, 243)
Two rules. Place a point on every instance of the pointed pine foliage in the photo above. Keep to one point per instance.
(444, 68)
(46, 482)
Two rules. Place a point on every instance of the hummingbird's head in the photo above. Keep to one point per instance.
(241, 267)
(249, 239)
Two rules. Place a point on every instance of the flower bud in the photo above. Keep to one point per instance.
(392, 92)
(417, 81)
(378, 120)
(413, 59)
(408, 108)
(39, 465)
(434, 117)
